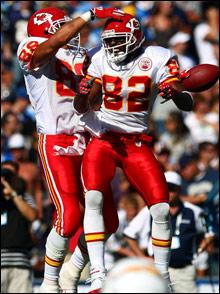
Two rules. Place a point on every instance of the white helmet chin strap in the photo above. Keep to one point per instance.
(112, 57)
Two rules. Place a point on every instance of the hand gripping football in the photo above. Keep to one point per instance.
(200, 77)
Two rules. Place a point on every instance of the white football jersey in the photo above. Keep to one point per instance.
(129, 91)
(52, 87)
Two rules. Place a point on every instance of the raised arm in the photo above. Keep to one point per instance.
(45, 50)
(25, 209)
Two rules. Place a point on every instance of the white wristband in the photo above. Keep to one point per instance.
(14, 194)
(209, 234)
(86, 16)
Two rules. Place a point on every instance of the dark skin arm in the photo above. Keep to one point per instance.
(182, 100)
(83, 103)
(49, 48)
(175, 92)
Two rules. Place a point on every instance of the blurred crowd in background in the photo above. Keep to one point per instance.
(183, 142)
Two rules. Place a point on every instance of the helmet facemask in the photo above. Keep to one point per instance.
(56, 25)
(115, 53)
(74, 43)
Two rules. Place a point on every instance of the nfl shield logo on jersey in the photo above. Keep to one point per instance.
(145, 63)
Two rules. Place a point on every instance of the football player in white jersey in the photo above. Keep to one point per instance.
(53, 62)
(130, 78)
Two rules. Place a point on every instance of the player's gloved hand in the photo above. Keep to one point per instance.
(101, 12)
(85, 86)
(167, 92)
(184, 75)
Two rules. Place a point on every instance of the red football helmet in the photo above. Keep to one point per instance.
(45, 22)
(129, 34)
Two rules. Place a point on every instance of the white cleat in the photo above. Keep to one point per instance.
(69, 278)
(166, 277)
(45, 288)
(97, 279)
(171, 288)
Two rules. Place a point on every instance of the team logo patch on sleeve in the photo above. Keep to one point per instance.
(145, 63)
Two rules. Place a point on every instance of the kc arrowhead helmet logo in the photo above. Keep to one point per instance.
(41, 18)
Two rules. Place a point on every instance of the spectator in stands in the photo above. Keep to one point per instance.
(192, 9)
(199, 126)
(7, 86)
(24, 112)
(177, 137)
(5, 155)
(29, 171)
(212, 206)
(10, 124)
(166, 19)
(198, 180)
(10, 63)
(208, 156)
(11, 165)
(6, 105)
(116, 247)
(179, 43)
(187, 224)
(137, 233)
(212, 118)
(163, 156)
(19, 13)
(17, 212)
(198, 177)
(8, 127)
(206, 36)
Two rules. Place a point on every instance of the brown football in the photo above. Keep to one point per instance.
(201, 77)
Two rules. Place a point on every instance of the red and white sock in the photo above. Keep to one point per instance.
(94, 228)
(161, 236)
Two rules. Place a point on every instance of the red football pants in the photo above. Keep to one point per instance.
(136, 160)
(62, 173)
